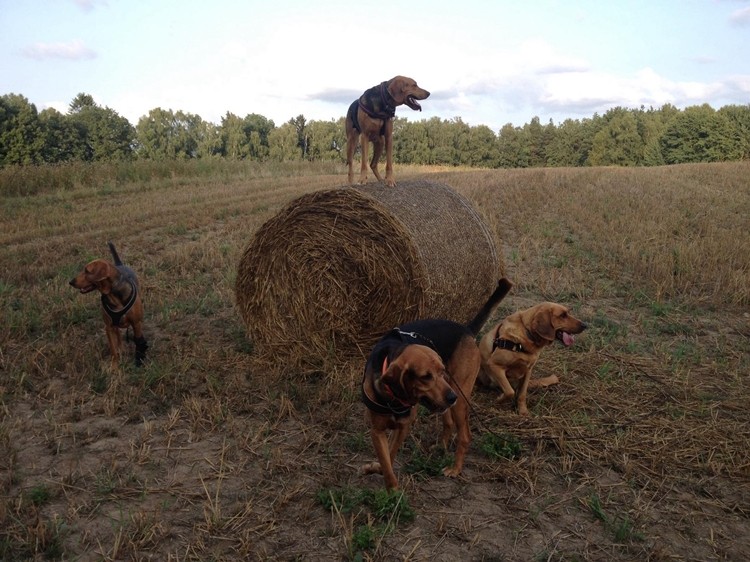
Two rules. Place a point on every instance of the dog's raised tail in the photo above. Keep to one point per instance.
(503, 288)
(115, 256)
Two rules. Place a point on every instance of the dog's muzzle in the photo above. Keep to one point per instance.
(412, 102)
(449, 400)
(83, 290)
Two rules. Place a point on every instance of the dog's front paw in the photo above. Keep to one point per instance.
(451, 471)
(372, 468)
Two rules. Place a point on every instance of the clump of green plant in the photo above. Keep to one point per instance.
(376, 513)
(39, 495)
(383, 504)
(499, 446)
(620, 527)
(427, 465)
(357, 442)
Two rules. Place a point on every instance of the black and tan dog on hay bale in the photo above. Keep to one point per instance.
(434, 362)
(371, 119)
(121, 302)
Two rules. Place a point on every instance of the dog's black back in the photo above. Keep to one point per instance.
(124, 270)
(441, 335)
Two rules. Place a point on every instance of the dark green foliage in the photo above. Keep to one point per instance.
(701, 134)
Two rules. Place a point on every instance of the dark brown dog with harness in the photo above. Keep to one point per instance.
(433, 362)
(371, 119)
(121, 302)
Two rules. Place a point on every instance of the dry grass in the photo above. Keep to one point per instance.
(642, 452)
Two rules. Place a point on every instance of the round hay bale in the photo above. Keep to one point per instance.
(335, 269)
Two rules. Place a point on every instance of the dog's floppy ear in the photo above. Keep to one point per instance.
(396, 88)
(99, 276)
(541, 323)
(395, 375)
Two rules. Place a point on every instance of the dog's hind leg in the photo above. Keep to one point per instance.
(351, 147)
(377, 152)
(141, 345)
(389, 181)
(363, 147)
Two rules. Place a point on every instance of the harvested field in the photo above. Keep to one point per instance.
(642, 452)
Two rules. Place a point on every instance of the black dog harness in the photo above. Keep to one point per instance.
(117, 315)
(507, 344)
(377, 102)
(501, 343)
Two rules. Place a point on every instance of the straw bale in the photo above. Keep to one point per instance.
(334, 269)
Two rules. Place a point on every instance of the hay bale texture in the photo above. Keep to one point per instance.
(335, 269)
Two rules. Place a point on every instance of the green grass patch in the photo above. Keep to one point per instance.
(620, 526)
(357, 442)
(499, 446)
(376, 514)
(428, 465)
(39, 495)
(604, 331)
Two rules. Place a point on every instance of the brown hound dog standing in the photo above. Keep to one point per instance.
(432, 362)
(371, 119)
(121, 302)
(510, 350)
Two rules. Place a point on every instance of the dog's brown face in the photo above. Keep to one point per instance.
(419, 374)
(552, 321)
(404, 90)
(95, 275)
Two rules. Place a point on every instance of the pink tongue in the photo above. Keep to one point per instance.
(568, 339)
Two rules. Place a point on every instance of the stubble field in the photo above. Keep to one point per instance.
(642, 452)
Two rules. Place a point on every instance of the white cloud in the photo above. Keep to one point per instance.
(73, 50)
(89, 5)
(740, 17)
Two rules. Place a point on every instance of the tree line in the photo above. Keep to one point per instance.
(621, 136)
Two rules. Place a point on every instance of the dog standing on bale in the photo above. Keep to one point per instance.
(511, 349)
(432, 362)
(371, 119)
(121, 302)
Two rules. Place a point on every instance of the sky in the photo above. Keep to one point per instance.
(488, 62)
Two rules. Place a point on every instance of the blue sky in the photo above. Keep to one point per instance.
(490, 62)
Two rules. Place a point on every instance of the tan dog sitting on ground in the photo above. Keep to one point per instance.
(430, 362)
(511, 349)
(370, 118)
(121, 302)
